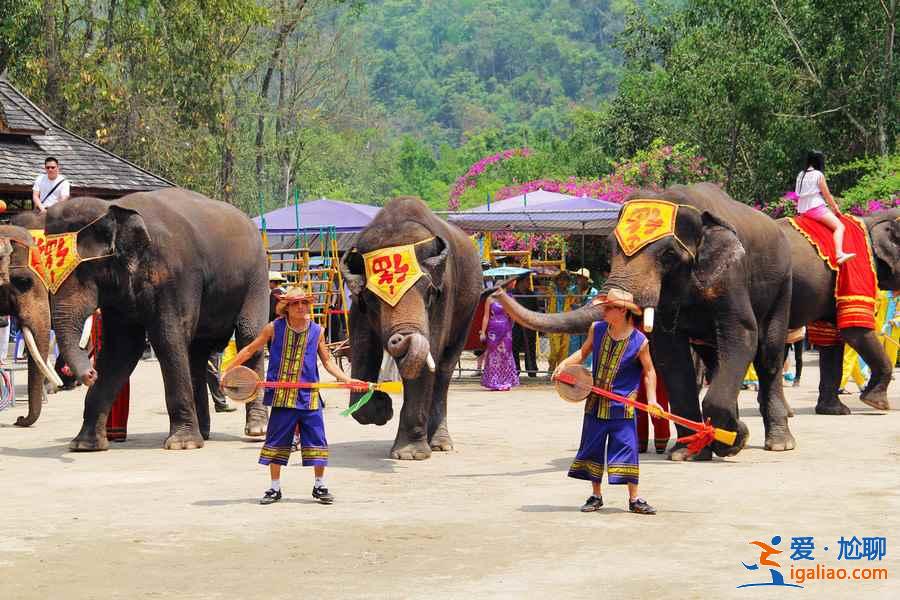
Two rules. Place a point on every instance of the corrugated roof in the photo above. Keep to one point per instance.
(86, 165)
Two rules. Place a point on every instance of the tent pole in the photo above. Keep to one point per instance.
(582, 246)
(297, 217)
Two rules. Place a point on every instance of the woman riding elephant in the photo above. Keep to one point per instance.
(172, 265)
(814, 283)
(713, 270)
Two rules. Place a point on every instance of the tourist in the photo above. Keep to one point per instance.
(561, 299)
(584, 293)
(496, 332)
(621, 358)
(296, 341)
(50, 187)
(524, 339)
(812, 194)
(276, 289)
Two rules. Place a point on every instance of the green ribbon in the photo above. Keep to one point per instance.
(358, 404)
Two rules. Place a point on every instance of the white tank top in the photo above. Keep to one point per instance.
(807, 188)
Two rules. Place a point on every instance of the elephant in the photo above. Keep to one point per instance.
(24, 296)
(174, 266)
(814, 300)
(424, 330)
(721, 283)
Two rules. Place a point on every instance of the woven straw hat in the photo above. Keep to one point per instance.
(621, 299)
(295, 294)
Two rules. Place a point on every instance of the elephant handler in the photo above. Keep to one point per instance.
(296, 340)
(621, 357)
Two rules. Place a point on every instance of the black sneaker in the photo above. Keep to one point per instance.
(843, 391)
(640, 506)
(322, 494)
(592, 504)
(270, 497)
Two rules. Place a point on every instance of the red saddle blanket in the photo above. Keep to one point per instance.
(857, 283)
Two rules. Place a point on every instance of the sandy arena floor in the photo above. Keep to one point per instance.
(496, 518)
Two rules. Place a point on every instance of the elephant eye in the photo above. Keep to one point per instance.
(22, 283)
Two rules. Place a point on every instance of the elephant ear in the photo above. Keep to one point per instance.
(719, 248)
(130, 237)
(353, 270)
(885, 235)
(436, 264)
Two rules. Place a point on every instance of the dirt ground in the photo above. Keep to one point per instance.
(496, 518)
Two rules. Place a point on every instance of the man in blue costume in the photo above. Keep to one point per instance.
(621, 357)
(296, 343)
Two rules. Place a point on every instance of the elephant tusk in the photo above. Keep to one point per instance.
(86, 333)
(429, 361)
(39, 360)
(648, 319)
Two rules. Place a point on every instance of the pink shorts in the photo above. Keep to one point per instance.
(818, 212)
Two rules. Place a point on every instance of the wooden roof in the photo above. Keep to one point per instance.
(28, 136)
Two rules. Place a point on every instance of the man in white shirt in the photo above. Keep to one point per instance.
(49, 188)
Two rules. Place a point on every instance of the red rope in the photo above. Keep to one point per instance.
(705, 431)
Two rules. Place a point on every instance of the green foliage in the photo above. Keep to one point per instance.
(881, 181)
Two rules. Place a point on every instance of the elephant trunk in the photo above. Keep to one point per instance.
(576, 321)
(412, 352)
(68, 324)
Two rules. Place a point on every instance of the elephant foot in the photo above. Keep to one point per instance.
(406, 449)
(441, 440)
(680, 454)
(257, 419)
(184, 438)
(85, 443)
(780, 439)
(441, 443)
(877, 399)
(835, 407)
(743, 436)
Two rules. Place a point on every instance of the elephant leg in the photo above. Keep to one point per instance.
(411, 442)
(250, 322)
(123, 345)
(769, 365)
(673, 363)
(365, 363)
(438, 435)
(870, 348)
(171, 349)
(198, 358)
(736, 344)
(831, 362)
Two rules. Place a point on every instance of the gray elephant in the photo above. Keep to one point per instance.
(174, 266)
(24, 296)
(713, 274)
(814, 300)
(416, 282)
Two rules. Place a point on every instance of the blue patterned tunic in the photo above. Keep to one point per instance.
(293, 358)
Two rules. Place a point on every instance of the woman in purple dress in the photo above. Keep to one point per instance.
(499, 364)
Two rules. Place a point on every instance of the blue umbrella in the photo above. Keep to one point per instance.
(505, 272)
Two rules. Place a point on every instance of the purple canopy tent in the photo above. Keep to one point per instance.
(541, 212)
(320, 214)
(345, 219)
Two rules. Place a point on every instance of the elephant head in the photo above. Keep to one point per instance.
(701, 251)
(884, 232)
(24, 296)
(109, 240)
(402, 329)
